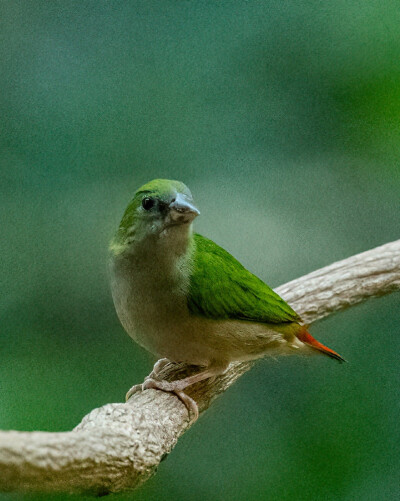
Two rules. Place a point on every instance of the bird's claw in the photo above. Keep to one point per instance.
(152, 382)
(188, 402)
(133, 390)
(158, 366)
(138, 387)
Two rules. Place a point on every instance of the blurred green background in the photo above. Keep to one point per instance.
(284, 120)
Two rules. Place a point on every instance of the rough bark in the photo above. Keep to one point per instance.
(118, 446)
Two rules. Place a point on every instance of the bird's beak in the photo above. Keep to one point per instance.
(181, 210)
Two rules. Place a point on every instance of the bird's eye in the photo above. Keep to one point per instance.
(147, 203)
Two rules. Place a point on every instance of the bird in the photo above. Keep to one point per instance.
(185, 299)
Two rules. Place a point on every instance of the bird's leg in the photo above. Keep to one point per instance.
(158, 366)
(179, 385)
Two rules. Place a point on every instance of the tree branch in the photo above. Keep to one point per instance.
(118, 446)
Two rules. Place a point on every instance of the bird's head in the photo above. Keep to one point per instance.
(159, 208)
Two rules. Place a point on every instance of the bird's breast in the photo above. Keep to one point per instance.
(151, 306)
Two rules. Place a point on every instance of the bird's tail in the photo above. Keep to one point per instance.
(305, 337)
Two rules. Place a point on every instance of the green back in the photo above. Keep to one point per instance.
(221, 288)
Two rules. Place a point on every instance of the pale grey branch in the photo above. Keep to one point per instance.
(118, 446)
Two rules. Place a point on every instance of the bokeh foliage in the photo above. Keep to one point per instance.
(284, 120)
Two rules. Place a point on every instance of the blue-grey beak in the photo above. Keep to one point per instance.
(183, 210)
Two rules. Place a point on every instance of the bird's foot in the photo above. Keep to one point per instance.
(154, 374)
(135, 388)
(174, 387)
(179, 385)
(158, 367)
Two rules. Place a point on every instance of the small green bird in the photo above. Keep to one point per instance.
(182, 297)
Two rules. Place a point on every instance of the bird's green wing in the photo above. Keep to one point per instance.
(221, 288)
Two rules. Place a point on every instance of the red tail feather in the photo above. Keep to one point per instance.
(306, 338)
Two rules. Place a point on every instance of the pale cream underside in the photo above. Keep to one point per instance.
(149, 289)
